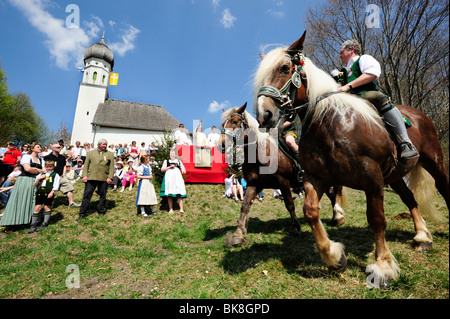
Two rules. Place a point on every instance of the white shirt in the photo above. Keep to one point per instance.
(230, 181)
(76, 151)
(55, 182)
(119, 173)
(181, 138)
(213, 138)
(367, 64)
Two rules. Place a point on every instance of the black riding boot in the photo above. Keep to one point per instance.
(394, 120)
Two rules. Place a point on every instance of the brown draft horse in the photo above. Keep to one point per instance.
(280, 174)
(260, 152)
(344, 142)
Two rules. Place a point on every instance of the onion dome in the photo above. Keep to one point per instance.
(101, 51)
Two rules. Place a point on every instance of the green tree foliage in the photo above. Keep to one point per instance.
(18, 120)
(167, 143)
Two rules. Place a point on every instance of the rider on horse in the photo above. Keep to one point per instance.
(290, 135)
(360, 73)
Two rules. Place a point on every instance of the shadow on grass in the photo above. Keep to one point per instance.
(110, 204)
(296, 252)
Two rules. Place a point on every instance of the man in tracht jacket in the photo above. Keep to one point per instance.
(98, 172)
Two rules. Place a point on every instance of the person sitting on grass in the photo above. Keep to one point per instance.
(233, 189)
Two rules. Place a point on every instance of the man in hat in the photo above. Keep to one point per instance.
(11, 158)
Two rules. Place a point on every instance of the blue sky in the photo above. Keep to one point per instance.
(193, 57)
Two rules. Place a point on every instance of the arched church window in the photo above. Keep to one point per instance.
(94, 77)
(103, 79)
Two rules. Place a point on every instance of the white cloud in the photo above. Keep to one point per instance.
(276, 14)
(215, 106)
(127, 43)
(66, 45)
(93, 28)
(227, 19)
(215, 4)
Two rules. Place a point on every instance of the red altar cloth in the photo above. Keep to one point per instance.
(214, 174)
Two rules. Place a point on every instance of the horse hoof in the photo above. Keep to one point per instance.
(423, 247)
(337, 222)
(372, 281)
(340, 266)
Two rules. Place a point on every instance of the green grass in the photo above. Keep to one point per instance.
(121, 255)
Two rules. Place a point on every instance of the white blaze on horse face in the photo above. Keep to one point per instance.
(266, 105)
(261, 109)
(268, 154)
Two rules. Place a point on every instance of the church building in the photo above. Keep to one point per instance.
(99, 117)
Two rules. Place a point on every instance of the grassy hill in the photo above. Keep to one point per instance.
(122, 255)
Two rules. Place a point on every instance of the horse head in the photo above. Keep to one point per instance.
(280, 84)
(233, 122)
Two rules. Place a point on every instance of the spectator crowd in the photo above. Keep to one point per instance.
(32, 174)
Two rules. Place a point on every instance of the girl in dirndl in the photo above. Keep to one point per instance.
(146, 195)
(173, 183)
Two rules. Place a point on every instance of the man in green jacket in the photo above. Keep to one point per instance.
(362, 72)
(98, 172)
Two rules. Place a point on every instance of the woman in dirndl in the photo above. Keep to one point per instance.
(173, 183)
(21, 204)
(146, 195)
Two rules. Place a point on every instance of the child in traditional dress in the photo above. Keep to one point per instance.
(118, 175)
(146, 195)
(173, 183)
(129, 177)
(47, 185)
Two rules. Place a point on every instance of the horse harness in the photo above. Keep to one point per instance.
(243, 126)
(286, 95)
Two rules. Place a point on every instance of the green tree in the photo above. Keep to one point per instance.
(166, 144)
(18, 120)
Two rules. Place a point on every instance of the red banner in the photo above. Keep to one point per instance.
(196, 163)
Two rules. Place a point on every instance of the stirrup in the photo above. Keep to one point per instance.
(300, 175)
(408, 151)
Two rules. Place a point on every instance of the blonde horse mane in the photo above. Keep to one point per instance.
(261, 137)
(319, 83)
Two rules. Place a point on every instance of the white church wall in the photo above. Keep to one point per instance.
(121, 136)
(89, 97)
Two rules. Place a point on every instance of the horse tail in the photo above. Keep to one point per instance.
(422, 184)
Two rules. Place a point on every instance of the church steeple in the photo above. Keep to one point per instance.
(98, 64)
(101, 51)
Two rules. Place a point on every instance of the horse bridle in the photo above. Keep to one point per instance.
(242, 126)
(233, 135)
(286, 95)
